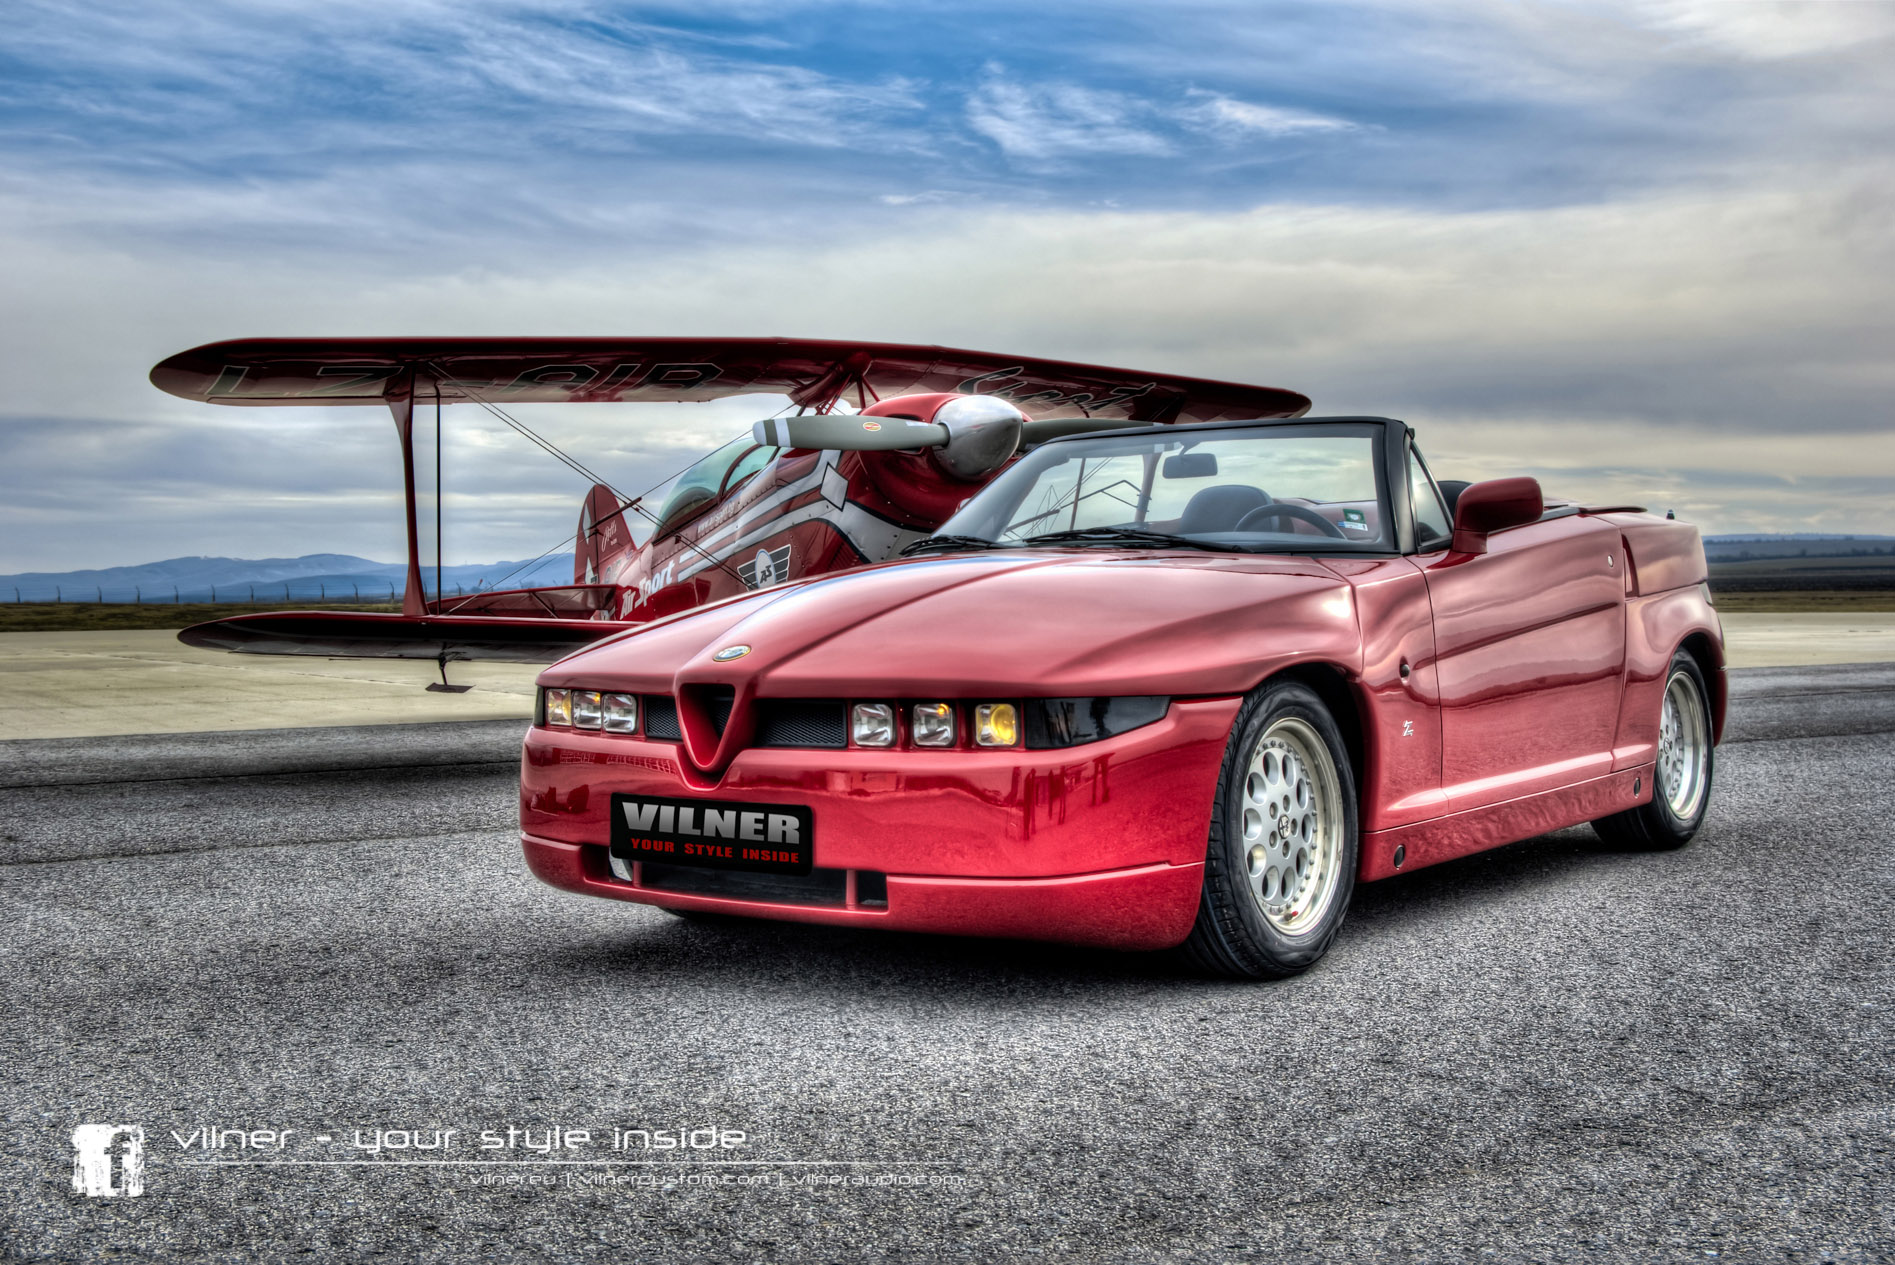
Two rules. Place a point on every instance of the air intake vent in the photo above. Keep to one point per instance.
(818, 887)
(802, 722)
(661, 717)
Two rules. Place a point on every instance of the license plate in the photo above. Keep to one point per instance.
(713, 833)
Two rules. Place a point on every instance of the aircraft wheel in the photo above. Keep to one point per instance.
(1280, 866)
(1681, 775)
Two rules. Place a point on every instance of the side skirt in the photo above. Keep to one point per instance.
(1490, 826)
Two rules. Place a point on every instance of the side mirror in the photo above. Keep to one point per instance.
(1494, 506)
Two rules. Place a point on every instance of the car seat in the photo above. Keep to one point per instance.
(1220, 508)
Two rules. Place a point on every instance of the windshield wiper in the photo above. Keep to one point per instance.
(1127, 536)
(947, 544)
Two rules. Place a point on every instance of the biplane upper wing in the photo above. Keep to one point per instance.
(814, 373)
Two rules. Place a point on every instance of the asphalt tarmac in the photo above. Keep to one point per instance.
(1554, 1051)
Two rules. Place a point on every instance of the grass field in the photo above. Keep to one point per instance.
(1784, 602)
(1872, 573)
(115, 617)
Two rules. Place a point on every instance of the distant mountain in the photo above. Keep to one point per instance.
(314, 576)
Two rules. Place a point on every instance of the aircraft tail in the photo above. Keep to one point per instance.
(603, 535)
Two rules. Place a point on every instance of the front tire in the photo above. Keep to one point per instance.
(1681, 774)
(1280, 865)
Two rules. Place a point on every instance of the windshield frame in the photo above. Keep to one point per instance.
(1389, 439)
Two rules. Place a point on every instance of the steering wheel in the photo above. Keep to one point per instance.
(1278, 509)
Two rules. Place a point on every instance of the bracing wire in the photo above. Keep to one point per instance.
(528, 565)
(584, 472)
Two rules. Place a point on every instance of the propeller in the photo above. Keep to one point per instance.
(976, 434)
(849, 432)
(1041, 429)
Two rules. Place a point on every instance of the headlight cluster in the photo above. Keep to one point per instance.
(933, 725)
(1036, 724)
(589, 709)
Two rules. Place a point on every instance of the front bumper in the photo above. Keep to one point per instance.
(1101, 844)
(1150, 907)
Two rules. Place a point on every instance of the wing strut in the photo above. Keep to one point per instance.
(401, 402)
(822, 392)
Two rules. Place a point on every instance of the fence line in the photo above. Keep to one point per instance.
(217, 595)
(221, 595)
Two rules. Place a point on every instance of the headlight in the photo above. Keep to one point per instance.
(996, 725)
(587, 709)
(621, 713)
(558, 707)
(934, 724)
(1073, 722)
(872, 724)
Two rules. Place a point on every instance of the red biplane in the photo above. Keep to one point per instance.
(820, 491)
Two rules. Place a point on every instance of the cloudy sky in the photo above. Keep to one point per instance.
(1642, 251)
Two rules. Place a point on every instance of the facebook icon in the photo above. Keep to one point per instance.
(108, 1160)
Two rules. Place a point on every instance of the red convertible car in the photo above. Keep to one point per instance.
(1175, 685)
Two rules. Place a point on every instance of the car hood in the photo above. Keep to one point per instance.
(1041, 623)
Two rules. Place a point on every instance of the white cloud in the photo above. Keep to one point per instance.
(1212, 111)
(919, 198)
(1768, 29)
(1047, 122)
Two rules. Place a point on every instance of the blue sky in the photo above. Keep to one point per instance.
(1641, 250)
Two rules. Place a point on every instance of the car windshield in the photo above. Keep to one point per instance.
(1271, 489)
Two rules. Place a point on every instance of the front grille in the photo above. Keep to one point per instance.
(722, 699)
(661, 717)
(818, 887)
(781, 722)
(802, 722)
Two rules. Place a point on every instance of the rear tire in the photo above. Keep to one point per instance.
(1280, 865)
(1681, 774)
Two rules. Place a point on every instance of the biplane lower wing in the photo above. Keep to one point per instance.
(368, 635)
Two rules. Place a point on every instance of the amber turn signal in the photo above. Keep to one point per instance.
(996, 725)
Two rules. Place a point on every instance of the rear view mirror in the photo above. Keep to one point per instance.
(1494, 506)
(1191, 465)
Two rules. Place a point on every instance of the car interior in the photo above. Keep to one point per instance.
(1224, 506)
